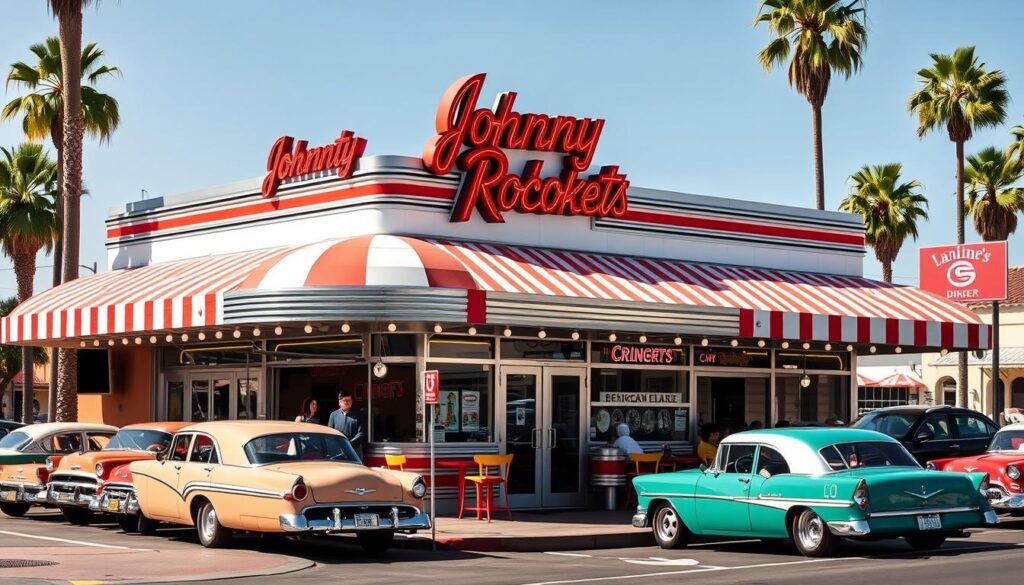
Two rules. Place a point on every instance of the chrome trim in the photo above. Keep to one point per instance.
(1012, 502)
(391, 521)
(991, 517)
(849, 528)
(640, 520)
(339, 303)
(757, 500)
(921, 511)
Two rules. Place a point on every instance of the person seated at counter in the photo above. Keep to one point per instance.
(624, 442)
(707, 449)
(755, 425)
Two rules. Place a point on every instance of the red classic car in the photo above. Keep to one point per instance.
(1003, 462)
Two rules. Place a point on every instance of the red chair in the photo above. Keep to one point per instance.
(485, 481)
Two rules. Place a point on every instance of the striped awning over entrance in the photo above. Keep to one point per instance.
(507, 284)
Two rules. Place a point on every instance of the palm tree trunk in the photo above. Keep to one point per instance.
(961, 384)
(25, 273)
(70, 21)
(819, 164)
(57, 135)
(887, 271)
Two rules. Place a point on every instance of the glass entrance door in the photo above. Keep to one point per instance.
(203, 396)
(543, 430)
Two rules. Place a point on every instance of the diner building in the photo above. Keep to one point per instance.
(555, 298)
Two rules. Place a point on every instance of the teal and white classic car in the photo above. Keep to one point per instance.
(816, 486)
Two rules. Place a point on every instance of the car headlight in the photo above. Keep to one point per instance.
(1012, 471)
(930, 466)
(99, 470)
(419, 488)
(49, 465)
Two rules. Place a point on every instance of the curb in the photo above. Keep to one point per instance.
(532, 544)
(293, 565)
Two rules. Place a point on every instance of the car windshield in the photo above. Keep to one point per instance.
(1003, 441)
(139, 440)
(896, 424)
(15, 441)
(843, 456)
(286, 447)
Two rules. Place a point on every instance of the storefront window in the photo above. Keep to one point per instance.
(212, 355)
(733, 403)
(461, 347)
(464, 413)
(175, 400)
(869, 399)
(537, 349)
(652, 402)
(395, 344)
(290, 349)
(811, 360)
(393, 404)
(825, 401)
(320, 383)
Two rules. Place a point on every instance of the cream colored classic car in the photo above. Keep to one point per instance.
(282, 477)
(29, 454)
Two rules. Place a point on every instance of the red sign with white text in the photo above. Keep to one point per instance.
(474, 140)
(966, 273)
(431, 387)
(286, 162)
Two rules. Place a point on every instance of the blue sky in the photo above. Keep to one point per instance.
(208, 86)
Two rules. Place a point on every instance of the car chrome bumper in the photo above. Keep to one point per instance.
(1011, 502)
(854, 528)
(336, 522)
(109, 505)
(991, 517)
(75, 499)
(23, 494)
(640, 520)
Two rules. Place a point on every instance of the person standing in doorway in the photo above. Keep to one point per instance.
(309, 412)
(346, 420)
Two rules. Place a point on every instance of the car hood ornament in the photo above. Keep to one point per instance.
(924, 495)
(360, 491)
(970, 468)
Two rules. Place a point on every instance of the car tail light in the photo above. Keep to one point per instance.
(860, 495)
(298, 493)
(42, 474)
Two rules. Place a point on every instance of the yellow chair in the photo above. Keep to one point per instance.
(394, 461)
(643, 463)
(485, 481)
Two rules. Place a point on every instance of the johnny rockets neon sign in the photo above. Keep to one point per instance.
(284, 162)
(487, 184)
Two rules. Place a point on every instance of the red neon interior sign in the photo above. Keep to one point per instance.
(285, 162)
(487, 184)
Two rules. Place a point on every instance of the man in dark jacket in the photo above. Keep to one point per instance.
(346, 420)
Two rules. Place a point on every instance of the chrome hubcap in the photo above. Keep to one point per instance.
(667, 524)
(209, 523)
(810, 532)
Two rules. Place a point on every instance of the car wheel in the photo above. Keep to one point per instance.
(128, 523)
(924, 541)
(143, 525)
(14, 510)
(669, 530)
(211, 533)
(76, 516)
(375, 543)
(812, 536)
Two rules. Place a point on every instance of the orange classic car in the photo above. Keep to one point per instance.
(29, 454)
(75, 484)
(283, 477)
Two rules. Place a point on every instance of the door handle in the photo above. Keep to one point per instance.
(744, 479)
(533, 438)
(954, 446)
(554, 438)
(178, 467)
(208, 468)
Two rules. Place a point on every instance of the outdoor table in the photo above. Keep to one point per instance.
(462, 465)
(677, 462)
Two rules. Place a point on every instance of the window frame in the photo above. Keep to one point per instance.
(757, 460)
(195, 443)
(725, 460)
(174, 443)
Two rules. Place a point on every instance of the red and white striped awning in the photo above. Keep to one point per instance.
(898, 380)
(168, 295)
(770, 304)
(863, 380)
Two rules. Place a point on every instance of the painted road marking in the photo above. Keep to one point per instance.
(712, 568)
(662, 562)
(564, 554)
(69, 541)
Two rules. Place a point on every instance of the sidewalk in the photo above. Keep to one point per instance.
(535, 532)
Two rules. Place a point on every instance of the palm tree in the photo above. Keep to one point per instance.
(69, 18)
(1016, 148)
(823, 36)
(42, 111)
(958, 93)
(890, 208)
(28, 223)
(992, 200)
(10, 356)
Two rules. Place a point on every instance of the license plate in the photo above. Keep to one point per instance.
(10, 496)
(366, 521)
(114, 505)
(929, 522)
(65, 497)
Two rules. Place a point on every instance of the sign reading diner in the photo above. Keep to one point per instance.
(474, 141)
(965, 272)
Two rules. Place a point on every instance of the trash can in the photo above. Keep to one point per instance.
(608, 470)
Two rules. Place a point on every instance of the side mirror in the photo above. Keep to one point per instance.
(703, 468)
(161, 455)
(924, 436)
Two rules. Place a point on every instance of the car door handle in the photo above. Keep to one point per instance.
(208, 468)
(744, 479)
(178, 467)
(954, 446)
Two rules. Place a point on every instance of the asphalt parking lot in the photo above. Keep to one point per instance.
(174, 555)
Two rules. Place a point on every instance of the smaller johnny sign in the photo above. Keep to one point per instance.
(966, 273)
